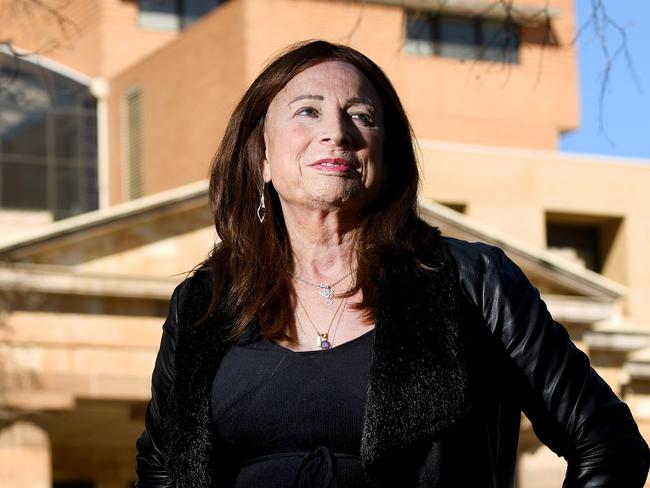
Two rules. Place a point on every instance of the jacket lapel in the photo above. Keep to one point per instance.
(419, 381)
(201, 345)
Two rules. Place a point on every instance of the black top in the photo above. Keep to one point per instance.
(293, 418)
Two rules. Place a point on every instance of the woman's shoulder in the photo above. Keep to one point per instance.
(196, 284)
(435, 249)
(473, 256)
(193, 295)
(485, 271)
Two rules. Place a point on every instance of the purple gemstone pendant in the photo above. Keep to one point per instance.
(323, 342)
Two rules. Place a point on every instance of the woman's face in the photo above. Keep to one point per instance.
(324, 137)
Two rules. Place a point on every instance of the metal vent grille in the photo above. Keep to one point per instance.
(133, 142)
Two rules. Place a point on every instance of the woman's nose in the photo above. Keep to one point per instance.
(336, 131)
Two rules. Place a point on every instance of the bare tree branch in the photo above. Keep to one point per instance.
(37, 13)
(601, 23)
(357, 22)
(45, 26)
(516, 15)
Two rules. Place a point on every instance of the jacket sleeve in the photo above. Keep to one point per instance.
(151, 454)
(571, 408)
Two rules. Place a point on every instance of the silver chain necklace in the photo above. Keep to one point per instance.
(322, 338)
(326, 291)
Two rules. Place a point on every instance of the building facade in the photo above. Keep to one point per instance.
(108, 121)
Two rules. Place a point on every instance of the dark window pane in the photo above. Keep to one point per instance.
(89, 181)
(23, 84)
(24, 186)
(195, 9)
(457, 37)
(462, 37)
(67, 140)
(89, 102)
(29, 85)
(419, 35)
(159, 14)
(90, 187)
(46, 117)
(173, 14)
(578, 243)
(160, 6)
(68, 93)
(90, 137)
(500, 41)
(67, 191)
(23, 133)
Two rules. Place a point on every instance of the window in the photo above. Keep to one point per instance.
(172, 14)
(578, 243)
(132, 136)
(462, 37)
(593, 241)
(48, 140)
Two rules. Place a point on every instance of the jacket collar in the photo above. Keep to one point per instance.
(419, 380)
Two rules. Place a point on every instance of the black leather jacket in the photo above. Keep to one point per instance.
(460, 350)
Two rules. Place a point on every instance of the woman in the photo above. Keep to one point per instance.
(332, 338)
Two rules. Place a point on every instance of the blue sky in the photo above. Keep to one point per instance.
(626, 114)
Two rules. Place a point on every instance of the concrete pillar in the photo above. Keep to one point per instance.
(99, 89)
(25, 456)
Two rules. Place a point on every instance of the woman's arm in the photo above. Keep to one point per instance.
(572, 410)
(151, 453)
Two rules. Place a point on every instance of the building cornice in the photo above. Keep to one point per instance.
(185, 197)
(542, 262)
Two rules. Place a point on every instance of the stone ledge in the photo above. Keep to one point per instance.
(61, 391)
(37, 400)
(579, 309)
(626, 337)
(638, 365)
(62, 279)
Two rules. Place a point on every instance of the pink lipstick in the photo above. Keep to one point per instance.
(333, 165)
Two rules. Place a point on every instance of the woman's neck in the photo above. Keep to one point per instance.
(322, 244)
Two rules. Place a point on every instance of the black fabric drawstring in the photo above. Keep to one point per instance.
(317, 469)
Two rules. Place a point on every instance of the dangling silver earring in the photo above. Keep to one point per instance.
(261, 209)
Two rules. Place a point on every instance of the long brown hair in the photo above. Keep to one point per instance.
(252, 264)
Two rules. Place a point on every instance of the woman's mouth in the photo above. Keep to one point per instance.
(333, 165)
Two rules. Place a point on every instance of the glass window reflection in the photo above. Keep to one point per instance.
(419, 35)
(24, 186)
(500, 41)
(23, 133)
(67, 139)
(458, 38)
(48, 140)
(68, 186)
(172, 14)
(462, 37)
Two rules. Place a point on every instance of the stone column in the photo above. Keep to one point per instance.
(99, 89)
(25, 456)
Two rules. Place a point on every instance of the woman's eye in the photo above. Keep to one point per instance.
(364, 118)
(308, 111)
